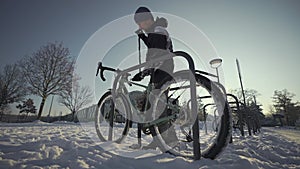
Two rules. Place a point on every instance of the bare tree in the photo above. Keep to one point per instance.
(283, 103)
(76, 97)
(12, 86)
(272, 109)
(250, 95)
(48, 71)
(282, 99)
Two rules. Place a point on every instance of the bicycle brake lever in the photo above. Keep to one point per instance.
(100, 67)
(101, 72)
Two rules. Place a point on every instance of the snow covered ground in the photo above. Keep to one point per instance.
(68, 145)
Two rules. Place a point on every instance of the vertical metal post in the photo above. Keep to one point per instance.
(204, 113)
(218, 74)
(240, 77)
(111, 121)
(196, 134)
(196, 140)
(139, 134)
(140, 55)
(243, 93)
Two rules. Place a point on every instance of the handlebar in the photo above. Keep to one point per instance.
(102, 68)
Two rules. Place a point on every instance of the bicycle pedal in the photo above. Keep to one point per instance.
(146, 131)
(189, 138)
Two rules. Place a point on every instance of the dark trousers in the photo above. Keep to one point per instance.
(166, 129)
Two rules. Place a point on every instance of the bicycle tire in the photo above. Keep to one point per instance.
(223, 135)
(101, 116)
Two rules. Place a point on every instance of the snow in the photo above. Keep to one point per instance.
(69, 145)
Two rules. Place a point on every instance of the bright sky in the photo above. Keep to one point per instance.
(262, 34)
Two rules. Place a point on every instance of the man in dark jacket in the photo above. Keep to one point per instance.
(159, 44)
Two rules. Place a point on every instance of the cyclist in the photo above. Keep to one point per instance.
(157, 39)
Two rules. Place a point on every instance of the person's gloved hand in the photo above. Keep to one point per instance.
(139, 31)
(140, 76)
(140, 34)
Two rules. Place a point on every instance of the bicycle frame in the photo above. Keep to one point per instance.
(125, 73)
(122, 90)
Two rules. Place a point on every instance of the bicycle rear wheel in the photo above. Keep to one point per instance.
(176, 137)
(111, 123)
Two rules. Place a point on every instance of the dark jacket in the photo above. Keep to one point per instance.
(159, 44)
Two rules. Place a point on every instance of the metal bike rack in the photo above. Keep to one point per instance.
(238, 111)
(204, 113)
(196, 143)
(211, 104)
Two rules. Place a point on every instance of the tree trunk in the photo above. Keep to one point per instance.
(287, 120)
(1, 115)
(73, 115)
(41, 108)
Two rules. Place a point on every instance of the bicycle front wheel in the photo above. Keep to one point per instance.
(176, 136)
(111, 121)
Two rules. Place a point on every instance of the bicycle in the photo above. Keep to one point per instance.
(180, 107)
